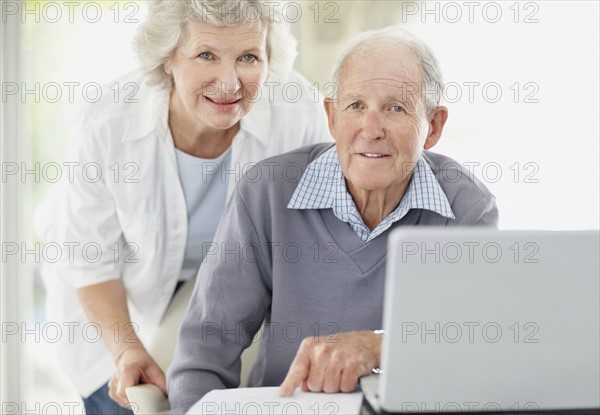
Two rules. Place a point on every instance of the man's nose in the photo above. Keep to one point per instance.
(373, 126)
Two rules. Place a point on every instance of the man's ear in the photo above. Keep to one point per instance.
(329, 105)
(437, 120)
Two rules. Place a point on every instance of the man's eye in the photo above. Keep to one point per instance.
(205, 55)
(249, 58)
(354, 106)
(397, 108)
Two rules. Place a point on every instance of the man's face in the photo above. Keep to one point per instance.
(379, 123)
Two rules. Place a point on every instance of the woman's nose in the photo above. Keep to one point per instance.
(228, 80)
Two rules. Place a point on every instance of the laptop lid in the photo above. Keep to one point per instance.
(486, 320)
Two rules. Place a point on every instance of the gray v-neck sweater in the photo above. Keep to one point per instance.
(303, 272)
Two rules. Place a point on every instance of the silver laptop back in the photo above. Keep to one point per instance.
(485, 320)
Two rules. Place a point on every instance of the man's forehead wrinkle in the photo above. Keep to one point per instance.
(394, 81)
(388, 67)
(393, 86)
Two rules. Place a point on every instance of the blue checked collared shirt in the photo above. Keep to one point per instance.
(322, 186)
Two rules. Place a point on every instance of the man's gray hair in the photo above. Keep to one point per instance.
(433, 83)
(164, 30)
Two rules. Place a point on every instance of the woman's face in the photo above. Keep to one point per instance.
(218, 72)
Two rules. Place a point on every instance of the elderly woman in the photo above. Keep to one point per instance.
(167, 159)
(318, 279)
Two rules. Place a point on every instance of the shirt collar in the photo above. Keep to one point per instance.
(151, 113)
(318, 185)
(322, 186)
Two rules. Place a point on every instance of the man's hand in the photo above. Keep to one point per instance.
(134, 366)
(333, 363)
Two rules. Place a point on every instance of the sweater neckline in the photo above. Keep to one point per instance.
(359, 251)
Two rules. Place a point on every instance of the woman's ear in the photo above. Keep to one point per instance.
(167, 66)
(437, 120)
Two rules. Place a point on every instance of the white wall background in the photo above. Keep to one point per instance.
(555, 138)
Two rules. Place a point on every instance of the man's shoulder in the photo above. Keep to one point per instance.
(302, 156)
(454, 177)
(471, 201)
(281, 172)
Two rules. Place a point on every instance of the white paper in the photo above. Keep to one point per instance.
(266, 401)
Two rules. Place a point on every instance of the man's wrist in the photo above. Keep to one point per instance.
(380, 334)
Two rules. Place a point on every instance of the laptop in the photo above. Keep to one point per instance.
(480, 320)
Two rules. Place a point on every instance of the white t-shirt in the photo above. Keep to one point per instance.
(205, 190)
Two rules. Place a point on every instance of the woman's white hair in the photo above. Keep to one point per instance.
(164, 30)
(433, 83)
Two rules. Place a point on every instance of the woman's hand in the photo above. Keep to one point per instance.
(134, 366)
(106, 305)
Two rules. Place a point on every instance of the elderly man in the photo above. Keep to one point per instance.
(302, 243)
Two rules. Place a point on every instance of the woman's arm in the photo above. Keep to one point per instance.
(106, 305)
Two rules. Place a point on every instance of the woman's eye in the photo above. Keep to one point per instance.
(205, 55)
(354, 106)
(397, 108)
(249, 58)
